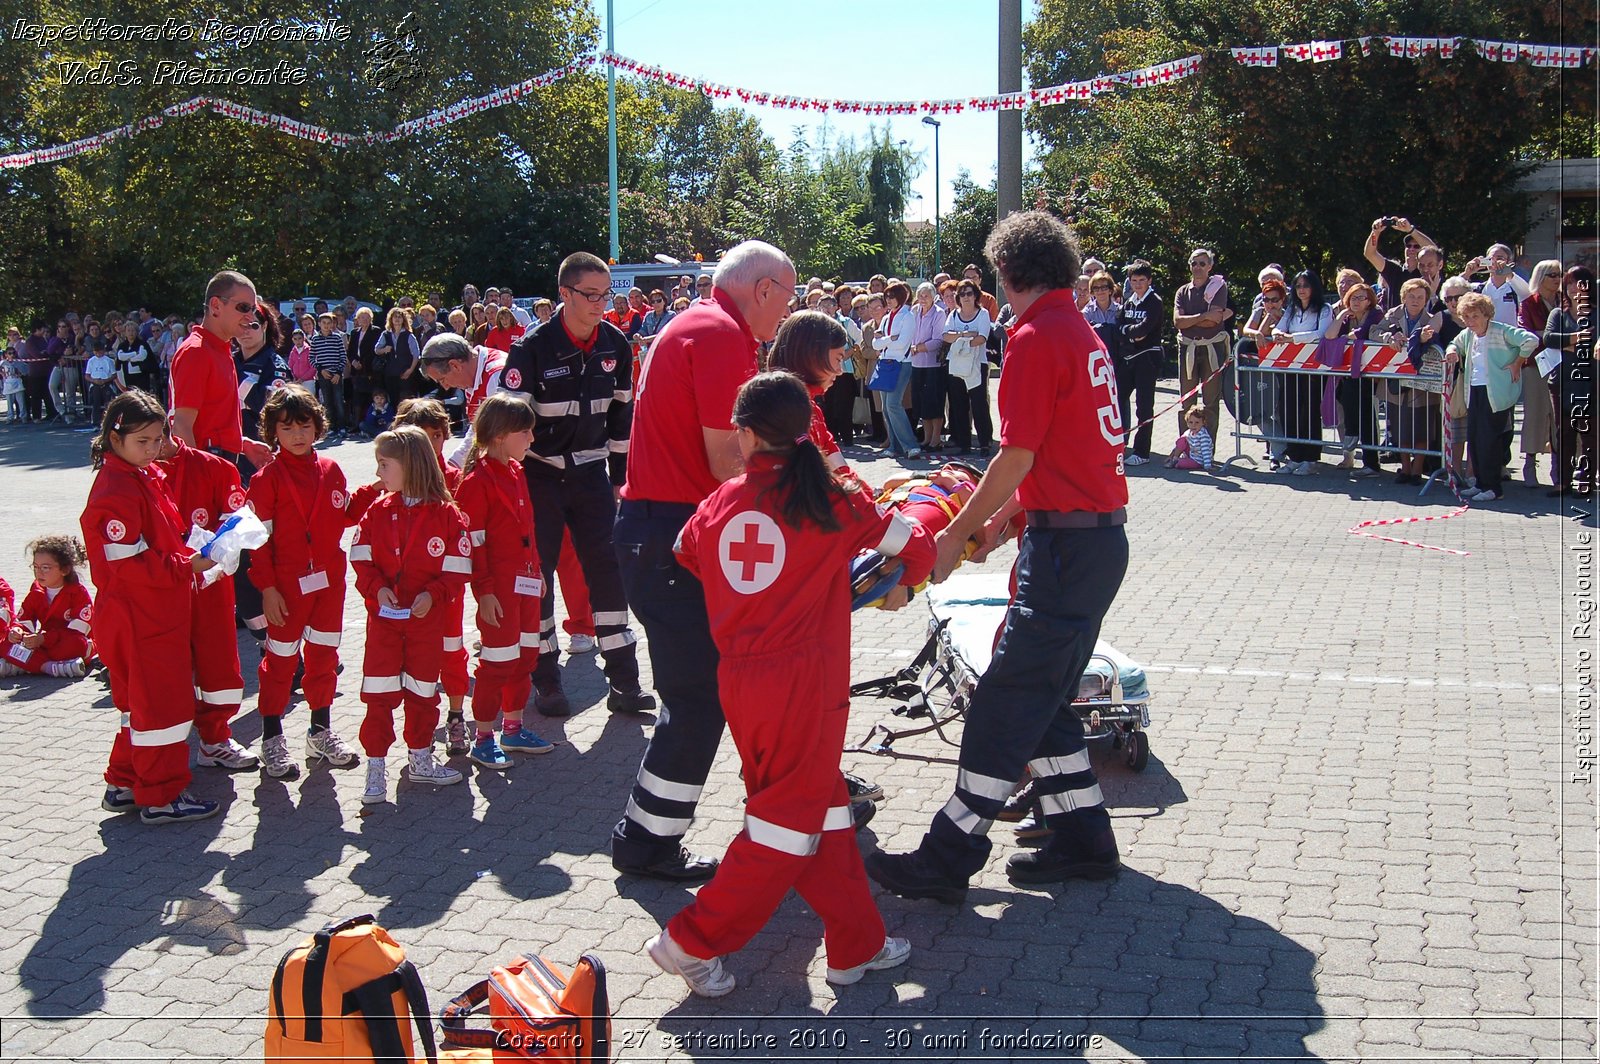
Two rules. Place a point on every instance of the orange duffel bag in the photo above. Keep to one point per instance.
(346, 994)
(537, 1011)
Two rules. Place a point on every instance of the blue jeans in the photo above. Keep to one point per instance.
(902, 440)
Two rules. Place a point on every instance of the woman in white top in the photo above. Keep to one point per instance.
(893, 344)
(966, 331)
(1304, 321)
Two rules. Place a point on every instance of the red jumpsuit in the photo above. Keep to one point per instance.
(8, 603)
(453, 667)
(302, 500)
(205, 489)
(778, 600)
(141, 571)
(64, 622)
(505, 564)
(411, 550)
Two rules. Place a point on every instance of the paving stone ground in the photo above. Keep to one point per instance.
(1361, 835)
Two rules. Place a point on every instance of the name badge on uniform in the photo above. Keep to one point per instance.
(20, 654)
(529, 585)
(394, 613)
(317, 581)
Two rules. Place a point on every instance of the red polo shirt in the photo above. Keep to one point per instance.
(688, 384)
(203, 377)
(1058, 399)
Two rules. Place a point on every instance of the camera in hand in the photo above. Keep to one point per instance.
(1389, 222)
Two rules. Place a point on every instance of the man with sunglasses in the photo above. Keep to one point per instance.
(577, 372)
(204, 396)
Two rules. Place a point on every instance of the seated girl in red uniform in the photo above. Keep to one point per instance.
(771, 547)
(144, 574)
(50, 634)
(411, 557)
(505, 578)
(430, 416)
(301, 497)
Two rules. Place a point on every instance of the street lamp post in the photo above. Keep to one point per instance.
(929, 120)
(611, 133)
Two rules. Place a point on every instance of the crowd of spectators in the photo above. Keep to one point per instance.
(949, 331)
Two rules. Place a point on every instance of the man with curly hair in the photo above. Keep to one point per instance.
(1060, 463)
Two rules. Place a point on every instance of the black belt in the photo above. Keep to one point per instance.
(232, 456)
(677, 511)
(1076, 518)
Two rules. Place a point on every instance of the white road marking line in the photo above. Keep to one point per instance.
(1339, 677)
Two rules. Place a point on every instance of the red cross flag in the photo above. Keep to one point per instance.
(1326, 51)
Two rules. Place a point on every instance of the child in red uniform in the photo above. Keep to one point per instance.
(411, 556)
(771, 548)
(505, 578)
(205, 489)
(301, 497)
(51, 634)
(145, 577)
(430, 416)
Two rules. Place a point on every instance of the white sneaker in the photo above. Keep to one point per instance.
(275, 759)
(708, 978)
(229, 755)
(7, 669)
(424, 769)
(325, 745)
(65, 670)
(377, 781)
(1135, 459)
(1485, 496)
(895, 952)
(580, 644)
(1300, 469)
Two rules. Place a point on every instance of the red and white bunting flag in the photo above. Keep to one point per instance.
(1366, 45)
(1299, 52)
(1447, 47)
(1326, 51)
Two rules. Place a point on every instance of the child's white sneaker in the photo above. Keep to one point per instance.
(894, 953)
(424, 769)
(65, 670)
(708, 978)
(275, 759)
(377, 781)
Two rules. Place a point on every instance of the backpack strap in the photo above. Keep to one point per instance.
(316, 970)
(453, 1018)
(277, 991)
(375, 1001)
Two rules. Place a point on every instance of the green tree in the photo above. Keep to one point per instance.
(1293, 164)
(795, 207)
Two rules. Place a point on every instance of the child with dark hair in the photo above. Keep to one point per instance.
(301, 497)
(145, 575)
(771, 548)
(50, 633)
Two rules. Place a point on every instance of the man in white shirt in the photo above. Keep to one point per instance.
(524, 319)
(1504, 288)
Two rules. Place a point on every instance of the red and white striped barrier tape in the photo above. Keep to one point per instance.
(1184, 398)
(1375, 358)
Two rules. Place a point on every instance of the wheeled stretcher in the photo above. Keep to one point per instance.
(966, 614)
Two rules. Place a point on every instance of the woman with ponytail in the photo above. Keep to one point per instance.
(771, 548)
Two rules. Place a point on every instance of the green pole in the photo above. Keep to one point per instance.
(611, 131)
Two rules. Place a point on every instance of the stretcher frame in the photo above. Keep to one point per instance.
(939, 667)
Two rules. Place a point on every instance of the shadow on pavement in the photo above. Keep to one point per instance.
(1134, 964)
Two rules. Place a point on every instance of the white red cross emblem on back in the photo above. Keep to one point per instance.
(751, 551)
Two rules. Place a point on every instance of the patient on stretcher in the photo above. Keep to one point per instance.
(932, 502)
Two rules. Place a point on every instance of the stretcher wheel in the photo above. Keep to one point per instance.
(1138, 750)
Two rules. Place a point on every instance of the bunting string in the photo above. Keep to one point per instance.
(1545, 56)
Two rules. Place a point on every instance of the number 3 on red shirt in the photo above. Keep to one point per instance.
(1108, 414)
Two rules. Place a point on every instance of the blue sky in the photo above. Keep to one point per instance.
(936, 49)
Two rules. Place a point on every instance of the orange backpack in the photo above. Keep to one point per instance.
(536, 1011)
(345, 994)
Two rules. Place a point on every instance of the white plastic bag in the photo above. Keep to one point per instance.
(239, 531)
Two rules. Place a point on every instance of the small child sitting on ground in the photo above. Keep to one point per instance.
(50, 633)
(380, 416)
(1193, 449)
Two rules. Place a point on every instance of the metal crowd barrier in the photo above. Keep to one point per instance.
(1285, 391)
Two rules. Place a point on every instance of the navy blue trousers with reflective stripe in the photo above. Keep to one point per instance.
(1021, 714)
(670, 603)
(580, 499)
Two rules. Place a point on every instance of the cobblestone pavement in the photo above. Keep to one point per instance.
(1362, 833)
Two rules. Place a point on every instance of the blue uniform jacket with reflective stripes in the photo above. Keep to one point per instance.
(584, 404)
